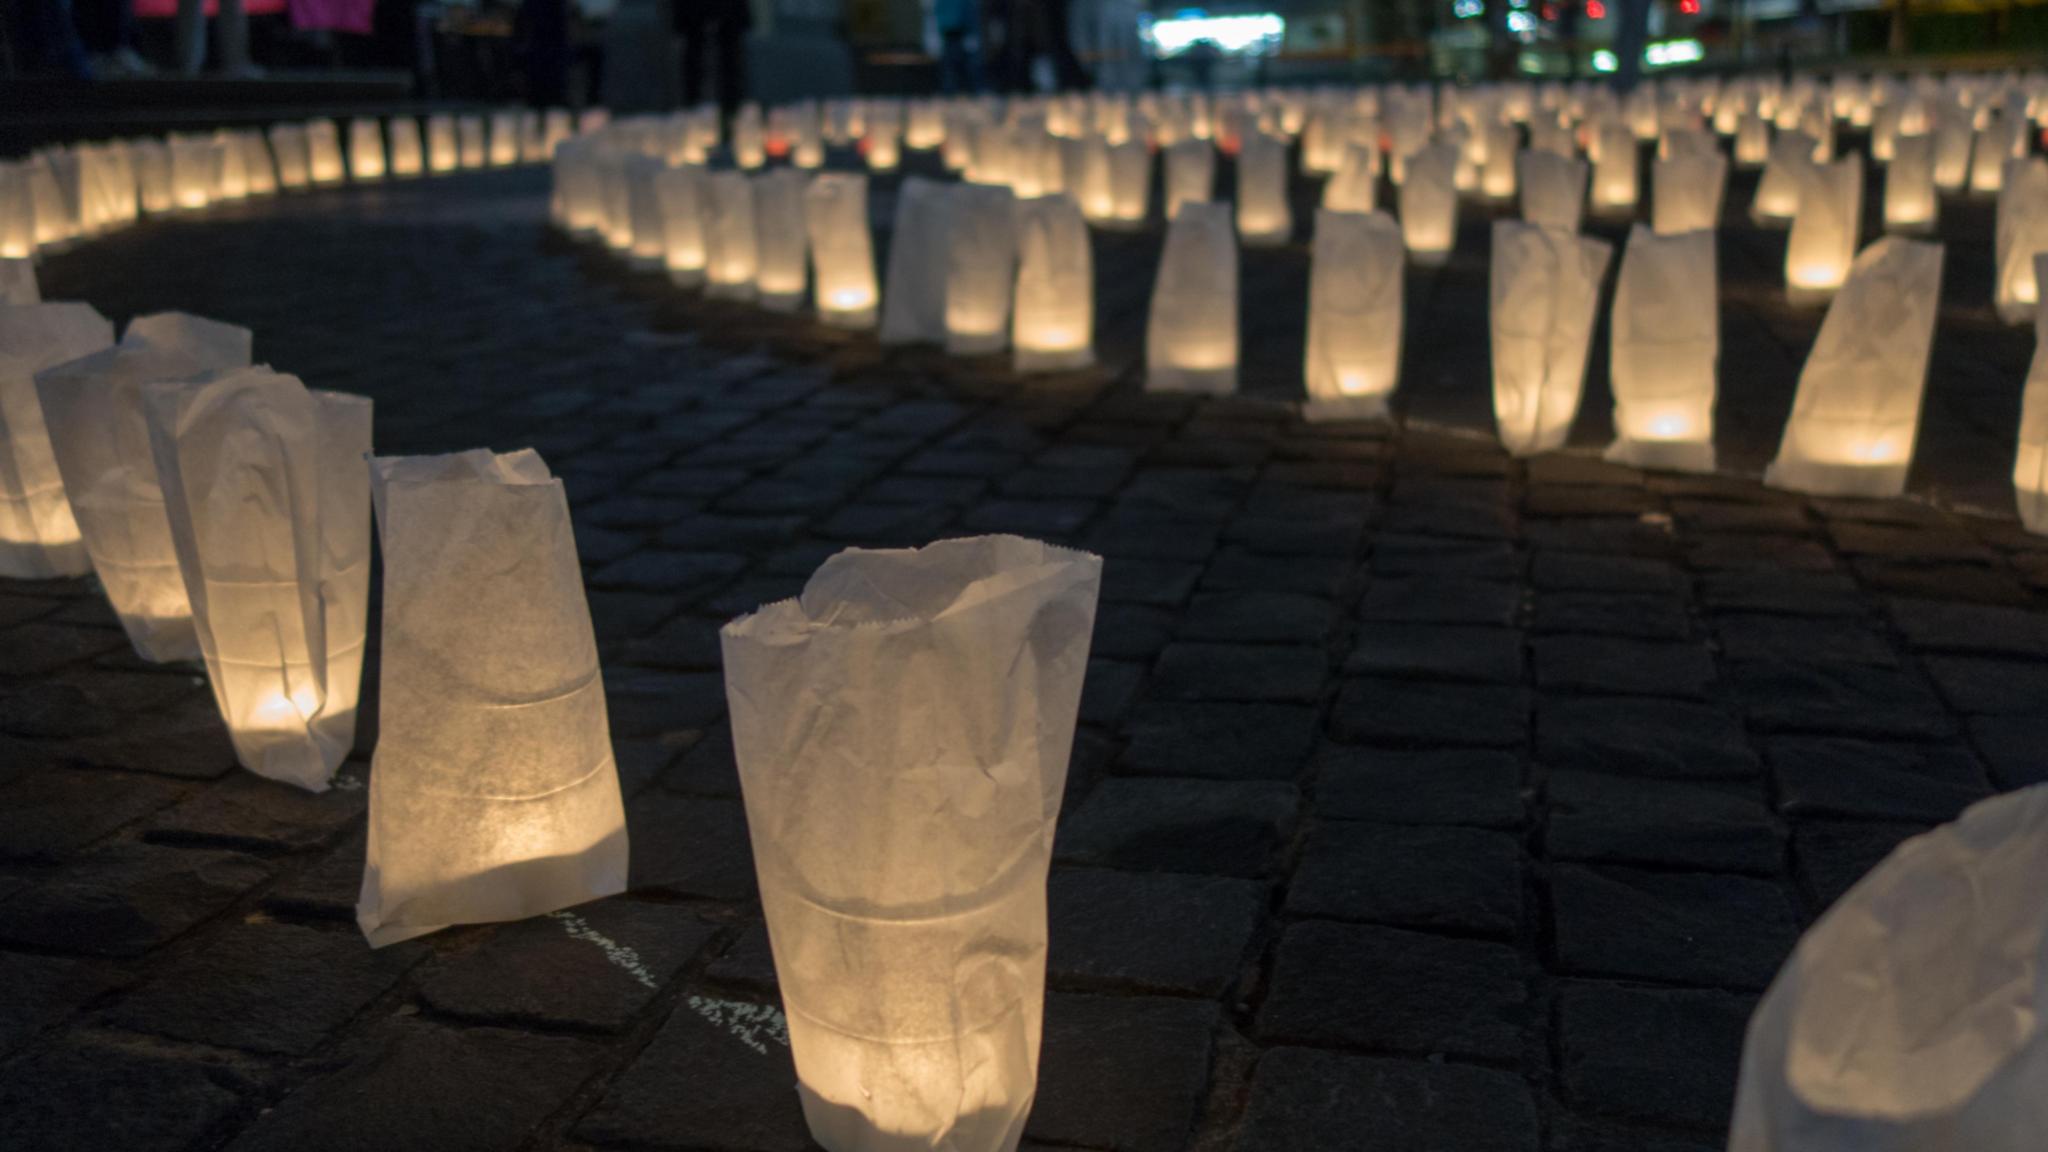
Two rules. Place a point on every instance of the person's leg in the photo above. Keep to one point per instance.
(191, 36)
(1060, 43)
(732, 65)
(694, 55)
(233, 29)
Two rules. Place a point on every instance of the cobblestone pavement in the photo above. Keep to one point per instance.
(1425, 800)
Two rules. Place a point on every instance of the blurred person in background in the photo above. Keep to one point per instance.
(231, 28)
(701, 23)
(959, 24)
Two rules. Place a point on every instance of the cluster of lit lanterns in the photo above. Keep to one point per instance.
(903, 727)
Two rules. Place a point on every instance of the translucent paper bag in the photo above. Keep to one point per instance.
(1264, 217)
(1053, 327)
(1429, 204)
(1353, 187)
(1825, 229)
(1544, 294)
(782, 246)
(1553, 190)
(94, 408)
(1191, 332)
(1666, 344)
(1777, 190)
(2030, 467)
(914, 288)
(268, 501)
(408, 155)
(365, 150)
(38, 534)
(680, 194)
(2020, 232)
(902, 731)
(1130, 179)
(1686, 196)
(18, 282)
(1909, 1017)
(1615, 170)
(648, 248)
(1190, 175)
(493, 793)
(1354, 316)
(1857, 410)
(729, 237)
(1910, 205)
(842, 251)
(981, 268)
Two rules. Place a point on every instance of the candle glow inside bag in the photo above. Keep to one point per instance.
(443, 153)
(294, 155)
(2030, 467)
(269, 508)
(1429, 204)
(1553, 190)
(1054, 323)
(1910, 204)
(1130, 177)
(1909, 1017)
(1191, 340)
(648, 249)
(1263, 214)
(1857, 410)
(842, 252)
(729, 236)
(493, 793)
(781, 246)
(1190, 174)
(981, 268)
(914, 294)
(1822, 245)
(39, 537)
(1544, 295)
(1686, 196)
(471, 148)
(408, 154)
(98, 428)
(680, 194)
(2021, 231)
(1354, 316)
(1665, 347)
(1615, 169)
(365, 150)
(323, 149)
(903, 731)
(1778, 189)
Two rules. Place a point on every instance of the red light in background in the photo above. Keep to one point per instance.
(1549, 12)
(1689, 7)
(1595, 10)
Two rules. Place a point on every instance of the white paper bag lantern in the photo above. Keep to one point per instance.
(365, 150)
(269, 507)
(229, 170)
(680, 194)
(54, 226)
(782, 251)
(1988, 157)
(504, 138)
(2030, 468)
(1264, 217)
(2021, 231)
(323, 152)
(1826, 228)
(471, 148)
(1093, 189)
(1778, 189)
(1615, 170)
(914, 297)
(648, 249)
(289, 143)
(1908, 1019)
(444, 154)
(152, 177)
(1354, 186)
(1054, 324)
(1429, 204)
(98, 429)
(408, 154)
(1857, 410)
(749, 140)
(981, 268)
(493, 793)
(1354, 316)
(260, 166)
(729, 237)
(1664, 352)
(1130, 174)
(1544, 295)
(1686, 195)
(1952, 139)
(18, 213)
(191, 171)
(903, 730)
(1910, 205)
(1191, 334)
(1190, 174)
(884, 147)
(39, 537)
(1753, 141)
(1553, 190)
(18, 281)
(842, 250)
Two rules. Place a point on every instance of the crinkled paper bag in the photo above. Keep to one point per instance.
(902, 731)
(38, 535)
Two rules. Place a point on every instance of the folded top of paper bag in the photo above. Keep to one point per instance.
(863, 586)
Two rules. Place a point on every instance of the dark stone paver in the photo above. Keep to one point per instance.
(1685, 927)
(1122, 1072)
(81, 1095)
(734, 1056)
(1472, 786)
(1411, 713)
(1304, 1100)
(1429, 995)
(126, 899)
(1665, 1054)
(1208, 828)
(1217, 740)
(1452, 879)
(1150, 931)
(1619, 820)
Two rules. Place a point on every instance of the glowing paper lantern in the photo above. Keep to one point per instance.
(884, 147)
(1354, 187)
(1910, 204)
(1907, 1020)
(903, 824)
(471, 149)
(1666, 343)
(679, 197)
(1544, 294)
(1952, 137)
(152, 178)
(504, 139)
(444, 154)
(914, 297)
(18, 281)
(1988, 157)
(1429, 204)
(1686, 195)
(1824, 232)
(1263, 215)
(1354, 316)
(1553, 190)
(408, 153)
(493, 793)
(94, 409)
(981, 268)
(842, 251)
(323, 152)
(1191, 333)
(1190, 174)
(191, 171)
(1753, 141)
(1857, 410)
(1777, 190)
(2030, 468)
(1093, 189)
(781, 246)
(365, 150)
(2021, 231)
(749, 143)
(261, 168)
(1130, 176)
(1054, 322)
(38, 535)
(729, 237)
(294, 154)
(54, 226)
(1615, 170)
(1497, 173)
(269, 509)
(227, 168)
(649, 247)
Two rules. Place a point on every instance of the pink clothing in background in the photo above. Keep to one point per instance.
(335, 15)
